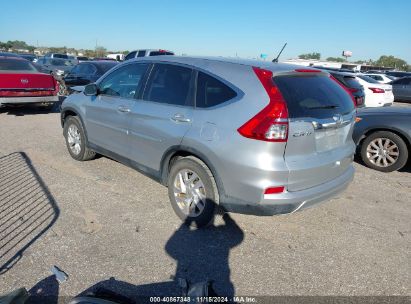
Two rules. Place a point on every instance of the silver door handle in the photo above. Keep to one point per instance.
(123, 109)
(180, 118)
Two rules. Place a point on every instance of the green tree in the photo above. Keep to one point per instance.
(310, 56)
(391, 61)
(336, 59)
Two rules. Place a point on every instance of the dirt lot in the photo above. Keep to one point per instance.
(99, 220)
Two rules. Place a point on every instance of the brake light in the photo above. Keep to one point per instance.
(56, 86)
(274, 190)
(271, 123)
(348, 90)
(377, 90)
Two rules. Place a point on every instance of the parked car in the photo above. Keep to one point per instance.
(56, 66)
(29, 57)
(21, 83)
(383, 137)
(348, 81)
(376, 94)
(148, 52)
(103, 59)
(286, 146)
(381, 78)
(398, 74)
(87, 72)
(56, 55)
(82, 59)
(402, 89)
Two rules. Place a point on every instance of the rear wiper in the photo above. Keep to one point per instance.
(324, 107)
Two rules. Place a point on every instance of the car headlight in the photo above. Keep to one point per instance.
(59, 72)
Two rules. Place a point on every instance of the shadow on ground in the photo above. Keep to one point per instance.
(27, 209)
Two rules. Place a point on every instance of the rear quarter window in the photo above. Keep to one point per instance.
(211, 91)
(316, 96)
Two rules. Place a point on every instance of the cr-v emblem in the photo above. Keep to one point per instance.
(299, 134)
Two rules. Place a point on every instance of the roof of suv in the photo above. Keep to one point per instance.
(275, 67)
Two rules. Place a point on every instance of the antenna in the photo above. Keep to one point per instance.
(276, 59)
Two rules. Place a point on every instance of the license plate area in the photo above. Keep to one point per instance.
(329, 139)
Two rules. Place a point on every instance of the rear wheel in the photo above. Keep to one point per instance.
(384, 151)
(193, 192)
(76, 139)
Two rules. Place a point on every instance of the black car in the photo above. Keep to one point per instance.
(383, 137)
(349, 82)
(87, 72)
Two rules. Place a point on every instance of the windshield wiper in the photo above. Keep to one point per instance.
(324, 107)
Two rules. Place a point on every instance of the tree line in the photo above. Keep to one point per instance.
(383, 61)
(16, 45)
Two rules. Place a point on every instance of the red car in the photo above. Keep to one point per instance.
(22, 83)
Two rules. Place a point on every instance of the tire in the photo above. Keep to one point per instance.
(381, 159)
(204, 201)
(76, 141)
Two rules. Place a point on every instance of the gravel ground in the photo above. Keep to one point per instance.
(107, 225)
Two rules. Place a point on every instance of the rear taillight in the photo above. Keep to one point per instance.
(56, 86)
(348, 90)
(271, 123)
(377, 90)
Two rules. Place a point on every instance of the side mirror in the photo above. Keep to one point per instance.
(90, 89)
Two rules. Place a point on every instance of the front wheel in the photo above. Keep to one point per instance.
(193, 192)
(76, 139)
(384, 151)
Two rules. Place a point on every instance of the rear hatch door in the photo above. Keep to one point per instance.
(321, 118)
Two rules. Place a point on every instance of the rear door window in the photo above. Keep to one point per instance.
(316, 96)
(211, 91)
(169, 84)
(141, 53)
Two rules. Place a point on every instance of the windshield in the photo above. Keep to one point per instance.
(61, 62)
(16, 65)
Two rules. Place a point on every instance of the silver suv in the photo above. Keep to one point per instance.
(243, 136)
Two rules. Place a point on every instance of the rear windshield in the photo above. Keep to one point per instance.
(367, 79)
(62, 56)
(316, 96)
(16, 65)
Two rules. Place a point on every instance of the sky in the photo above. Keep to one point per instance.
(241, 28)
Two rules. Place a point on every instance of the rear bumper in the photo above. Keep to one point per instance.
(25, 100)
(292, 201)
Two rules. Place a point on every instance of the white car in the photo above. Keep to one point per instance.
(376, 94)
(381, 78)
